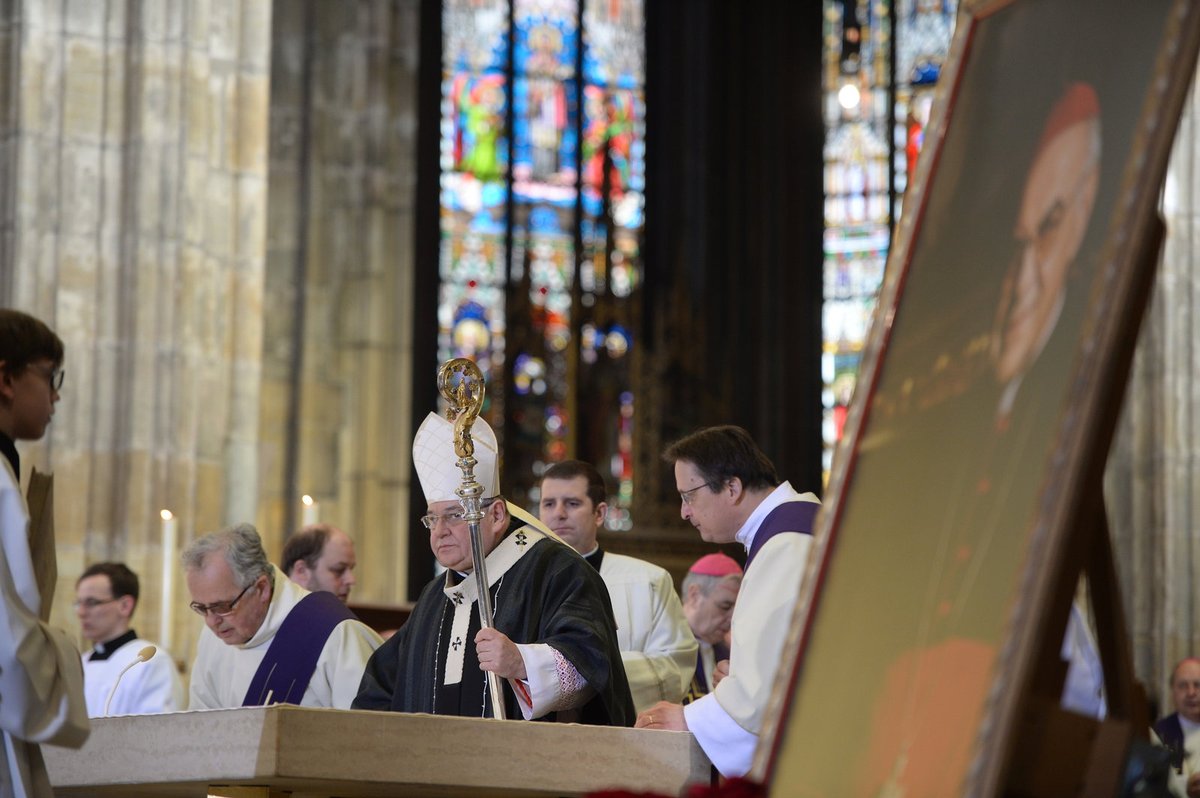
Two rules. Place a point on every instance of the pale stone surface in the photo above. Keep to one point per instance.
(379, 754)
(140, 239)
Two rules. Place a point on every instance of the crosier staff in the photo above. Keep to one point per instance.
(465, 397)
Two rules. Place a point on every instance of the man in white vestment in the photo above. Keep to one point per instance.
(710, 592)
(41, 679)
(729, 491)
(657, 648)
(321, 557)
(106, 596)
(1180, 731)
(249, 653)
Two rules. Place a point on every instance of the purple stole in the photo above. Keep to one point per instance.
(794, 516)
(1170, 733)
(291, 659)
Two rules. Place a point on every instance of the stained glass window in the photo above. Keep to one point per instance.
(542, 201)
(865, 173)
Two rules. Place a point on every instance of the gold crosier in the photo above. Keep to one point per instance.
(465, 398)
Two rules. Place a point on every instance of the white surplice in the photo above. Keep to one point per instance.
(41, 679)
(727, 721)
(657, 645)
(222, 673)
(148, 688)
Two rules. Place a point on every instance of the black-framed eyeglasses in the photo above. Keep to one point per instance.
(54, 376)
(92, 603)
(220, 608)
(686, 495)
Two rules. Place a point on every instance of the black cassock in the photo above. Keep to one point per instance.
(549, 595)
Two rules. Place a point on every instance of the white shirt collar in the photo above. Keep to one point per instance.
(781, 494)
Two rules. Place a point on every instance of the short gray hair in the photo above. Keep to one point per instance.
(240, 545)
(706, 582)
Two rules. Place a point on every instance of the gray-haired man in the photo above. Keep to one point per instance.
(266, 639)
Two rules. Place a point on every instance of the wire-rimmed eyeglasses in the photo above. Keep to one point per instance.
(686, 495)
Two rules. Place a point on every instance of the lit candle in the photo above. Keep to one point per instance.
(168, 579)
(312, 512)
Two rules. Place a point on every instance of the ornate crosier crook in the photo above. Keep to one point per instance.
(465, 397)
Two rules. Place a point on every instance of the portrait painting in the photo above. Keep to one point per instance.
(1031, 206)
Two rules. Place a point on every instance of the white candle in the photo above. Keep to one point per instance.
(168, 579)
(312, 512)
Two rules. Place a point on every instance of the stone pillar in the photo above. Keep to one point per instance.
(339, 278)
(1151, 485)
(137, 231)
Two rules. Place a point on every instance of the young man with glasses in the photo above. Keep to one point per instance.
(106, 596)
(266, 639)
(729, 491)
(553, 643)
(41, 678)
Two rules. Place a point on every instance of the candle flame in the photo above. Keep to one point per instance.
(306, 500)
(166, 515)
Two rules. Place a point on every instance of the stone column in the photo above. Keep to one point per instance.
(1152, 486)
(340, 276)
(137, 231)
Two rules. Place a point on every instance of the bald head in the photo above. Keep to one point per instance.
(1185, 689)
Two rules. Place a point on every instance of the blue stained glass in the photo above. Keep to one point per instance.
(505, 222)
(545, 141)
(545, 39)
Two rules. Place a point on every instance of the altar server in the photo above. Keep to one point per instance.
(41, 678)
(106, 596)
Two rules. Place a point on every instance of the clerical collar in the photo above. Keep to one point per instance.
(782, 493)
(102, 651)
(9, 450)
(595, 557)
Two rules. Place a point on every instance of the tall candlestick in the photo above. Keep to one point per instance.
(312, 510)
(168, 579)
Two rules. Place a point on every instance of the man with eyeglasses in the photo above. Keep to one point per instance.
(266, 639)
(41, 677)
(106, 596)
(553, 643)
(729, 491)
(657, 646)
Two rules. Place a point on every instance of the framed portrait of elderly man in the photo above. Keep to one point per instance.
(990, 386)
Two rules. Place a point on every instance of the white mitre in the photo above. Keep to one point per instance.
(437, 464)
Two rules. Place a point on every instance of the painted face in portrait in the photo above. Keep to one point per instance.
(1056, 206)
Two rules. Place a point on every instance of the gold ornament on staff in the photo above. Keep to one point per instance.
(465, 397)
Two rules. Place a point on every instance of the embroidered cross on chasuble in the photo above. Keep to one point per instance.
(461, 686)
